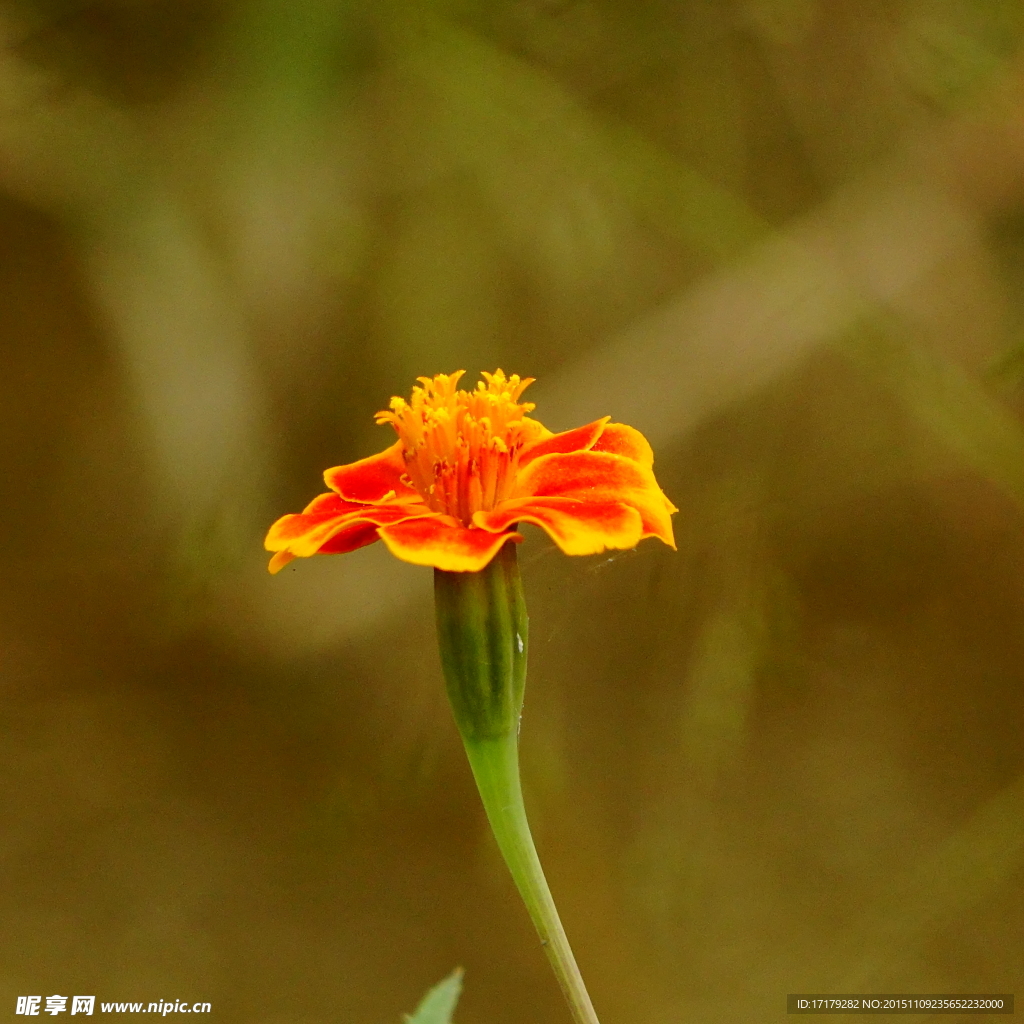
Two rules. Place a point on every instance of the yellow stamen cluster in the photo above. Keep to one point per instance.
(461, 448)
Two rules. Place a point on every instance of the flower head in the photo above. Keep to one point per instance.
(470, 465)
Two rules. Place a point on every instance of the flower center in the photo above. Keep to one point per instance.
(461, 448)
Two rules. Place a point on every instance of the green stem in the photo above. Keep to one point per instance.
(495, 764)
(482, 637)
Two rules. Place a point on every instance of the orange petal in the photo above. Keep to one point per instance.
(444, 543)
(576, 440)
(373, 479)
(577, 527)
(601, 477)
(279, 561)
(618, 439)
(330, 531)
(331, 504)
(356, 533)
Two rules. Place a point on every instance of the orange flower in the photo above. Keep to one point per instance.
(470, 465)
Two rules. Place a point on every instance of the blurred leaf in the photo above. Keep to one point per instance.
(677, 199)
(942, 64)
(533, 150)
(783, 22)
(1008, 367)
(953, 405)
(720, 687)
(438, 1004)
(291, 58)
(503, 114)
(950, 49)
(965, 869)
(942, 396)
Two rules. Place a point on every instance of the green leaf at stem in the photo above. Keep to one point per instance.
(438, 1004)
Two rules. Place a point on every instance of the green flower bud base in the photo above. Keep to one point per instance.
(482, 635)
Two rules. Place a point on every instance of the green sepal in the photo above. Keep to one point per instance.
(482, 637)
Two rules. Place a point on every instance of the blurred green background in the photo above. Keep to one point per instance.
(783, 238)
